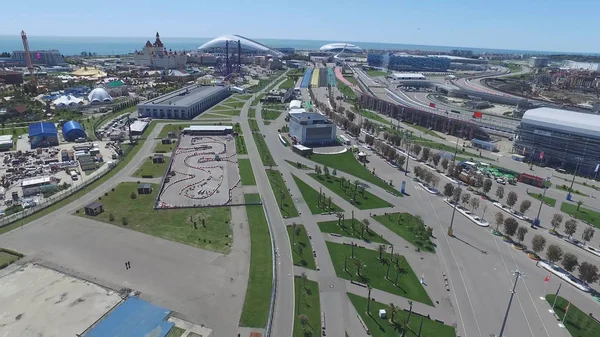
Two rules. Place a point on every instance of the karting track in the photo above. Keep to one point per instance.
(200, 173)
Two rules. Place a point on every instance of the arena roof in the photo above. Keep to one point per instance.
(339, 46)
(563, 120)
(246, 43)
(183, 97)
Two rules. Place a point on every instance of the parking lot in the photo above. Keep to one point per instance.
(202, 173)
(36, 301)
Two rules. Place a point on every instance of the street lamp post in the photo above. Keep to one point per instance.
(536, 222)
(457, 197)
(579, 160)
(512, 294)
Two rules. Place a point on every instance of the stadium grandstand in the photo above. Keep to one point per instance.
(560, 138)
(406, 62)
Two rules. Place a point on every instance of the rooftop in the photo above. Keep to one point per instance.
(208, 128)
(563, 120)
(185, 96)
(138, 126)
(36, 181)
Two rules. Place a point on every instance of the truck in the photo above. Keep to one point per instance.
(74, 175)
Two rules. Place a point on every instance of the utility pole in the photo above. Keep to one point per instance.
(450, 231)
(579, 160)
(512, 294)
(536, 222)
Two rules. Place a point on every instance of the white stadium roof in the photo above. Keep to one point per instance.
(99, 95)
(564, 120)
(339, 46)
(246, 44)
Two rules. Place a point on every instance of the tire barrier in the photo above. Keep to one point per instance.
(445, 278)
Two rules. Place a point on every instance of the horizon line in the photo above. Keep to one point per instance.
(296, 39)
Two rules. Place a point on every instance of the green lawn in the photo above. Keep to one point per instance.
(288, 83)
(228, 112)
(258, 293)
(7, 257)
(129, 154)
(345, 229)
(578, 323)
(386, 328)
(374, 73)
(584, 214)
(171, 128)
(566, 189)
(423, 130)
(208, 115)
(298, 165)
(311, 197)
(351, 79)
(270, 114)
(404, 224)
(240, 145)
(346, 91)
(372, 115)
(364, 200)
(170, 224)
(253, 125)
(302, 251)
(308, 304)
(175, 332)
(443, 147)
(246, 174)
(373, 272)
(280, 190)
(346, 162)
(151, 170)
(547, 200)
(164, 148)
(233, 101)
(263, 150)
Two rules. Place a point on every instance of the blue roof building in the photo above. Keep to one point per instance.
(43, 134)
(72, 130)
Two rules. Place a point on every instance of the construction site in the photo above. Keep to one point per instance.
(202, 172)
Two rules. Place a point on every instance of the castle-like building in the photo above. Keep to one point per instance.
(155, 55)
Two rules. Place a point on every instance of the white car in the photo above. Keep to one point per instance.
(501, 181)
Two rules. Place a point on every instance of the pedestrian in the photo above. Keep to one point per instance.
(537, 263)
(126, 267)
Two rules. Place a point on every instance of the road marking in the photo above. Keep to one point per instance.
(460, 273)
(509, 277)
(529, 293)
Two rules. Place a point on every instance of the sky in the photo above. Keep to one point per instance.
(545, 25)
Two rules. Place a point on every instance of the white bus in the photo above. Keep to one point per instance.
(344, 140)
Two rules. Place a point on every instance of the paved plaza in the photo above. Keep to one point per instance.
(203, 172)
(37, 301)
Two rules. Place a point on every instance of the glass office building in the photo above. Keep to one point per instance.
(560, 139)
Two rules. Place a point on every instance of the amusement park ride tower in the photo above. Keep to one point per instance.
(32, 79)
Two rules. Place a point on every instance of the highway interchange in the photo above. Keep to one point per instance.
(479, 265)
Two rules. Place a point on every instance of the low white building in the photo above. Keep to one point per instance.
(408, 76)
(310, 128)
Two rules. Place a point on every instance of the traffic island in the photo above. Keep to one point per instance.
(343, 227)
(307, 321)
(410, 228)
(352, 192)
(364, 266)
(395, 320)
(302, 252)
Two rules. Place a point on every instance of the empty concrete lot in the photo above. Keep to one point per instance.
(200, 286)
(36, 301)
(202, 173)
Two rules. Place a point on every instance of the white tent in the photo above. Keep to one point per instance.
(67, 100)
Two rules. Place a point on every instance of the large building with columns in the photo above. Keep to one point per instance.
(185, 103)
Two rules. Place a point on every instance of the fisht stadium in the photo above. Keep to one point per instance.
(248, 46)
(340, 46)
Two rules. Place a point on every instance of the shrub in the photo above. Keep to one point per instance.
(111, 217)
(133, 195)
(106, 194)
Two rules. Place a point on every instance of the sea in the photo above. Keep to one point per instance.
(125, 45)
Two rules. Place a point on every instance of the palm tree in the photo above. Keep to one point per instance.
(367, 223)
(381, 249)
(393, 311)
(358, 265)
(339, 215)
